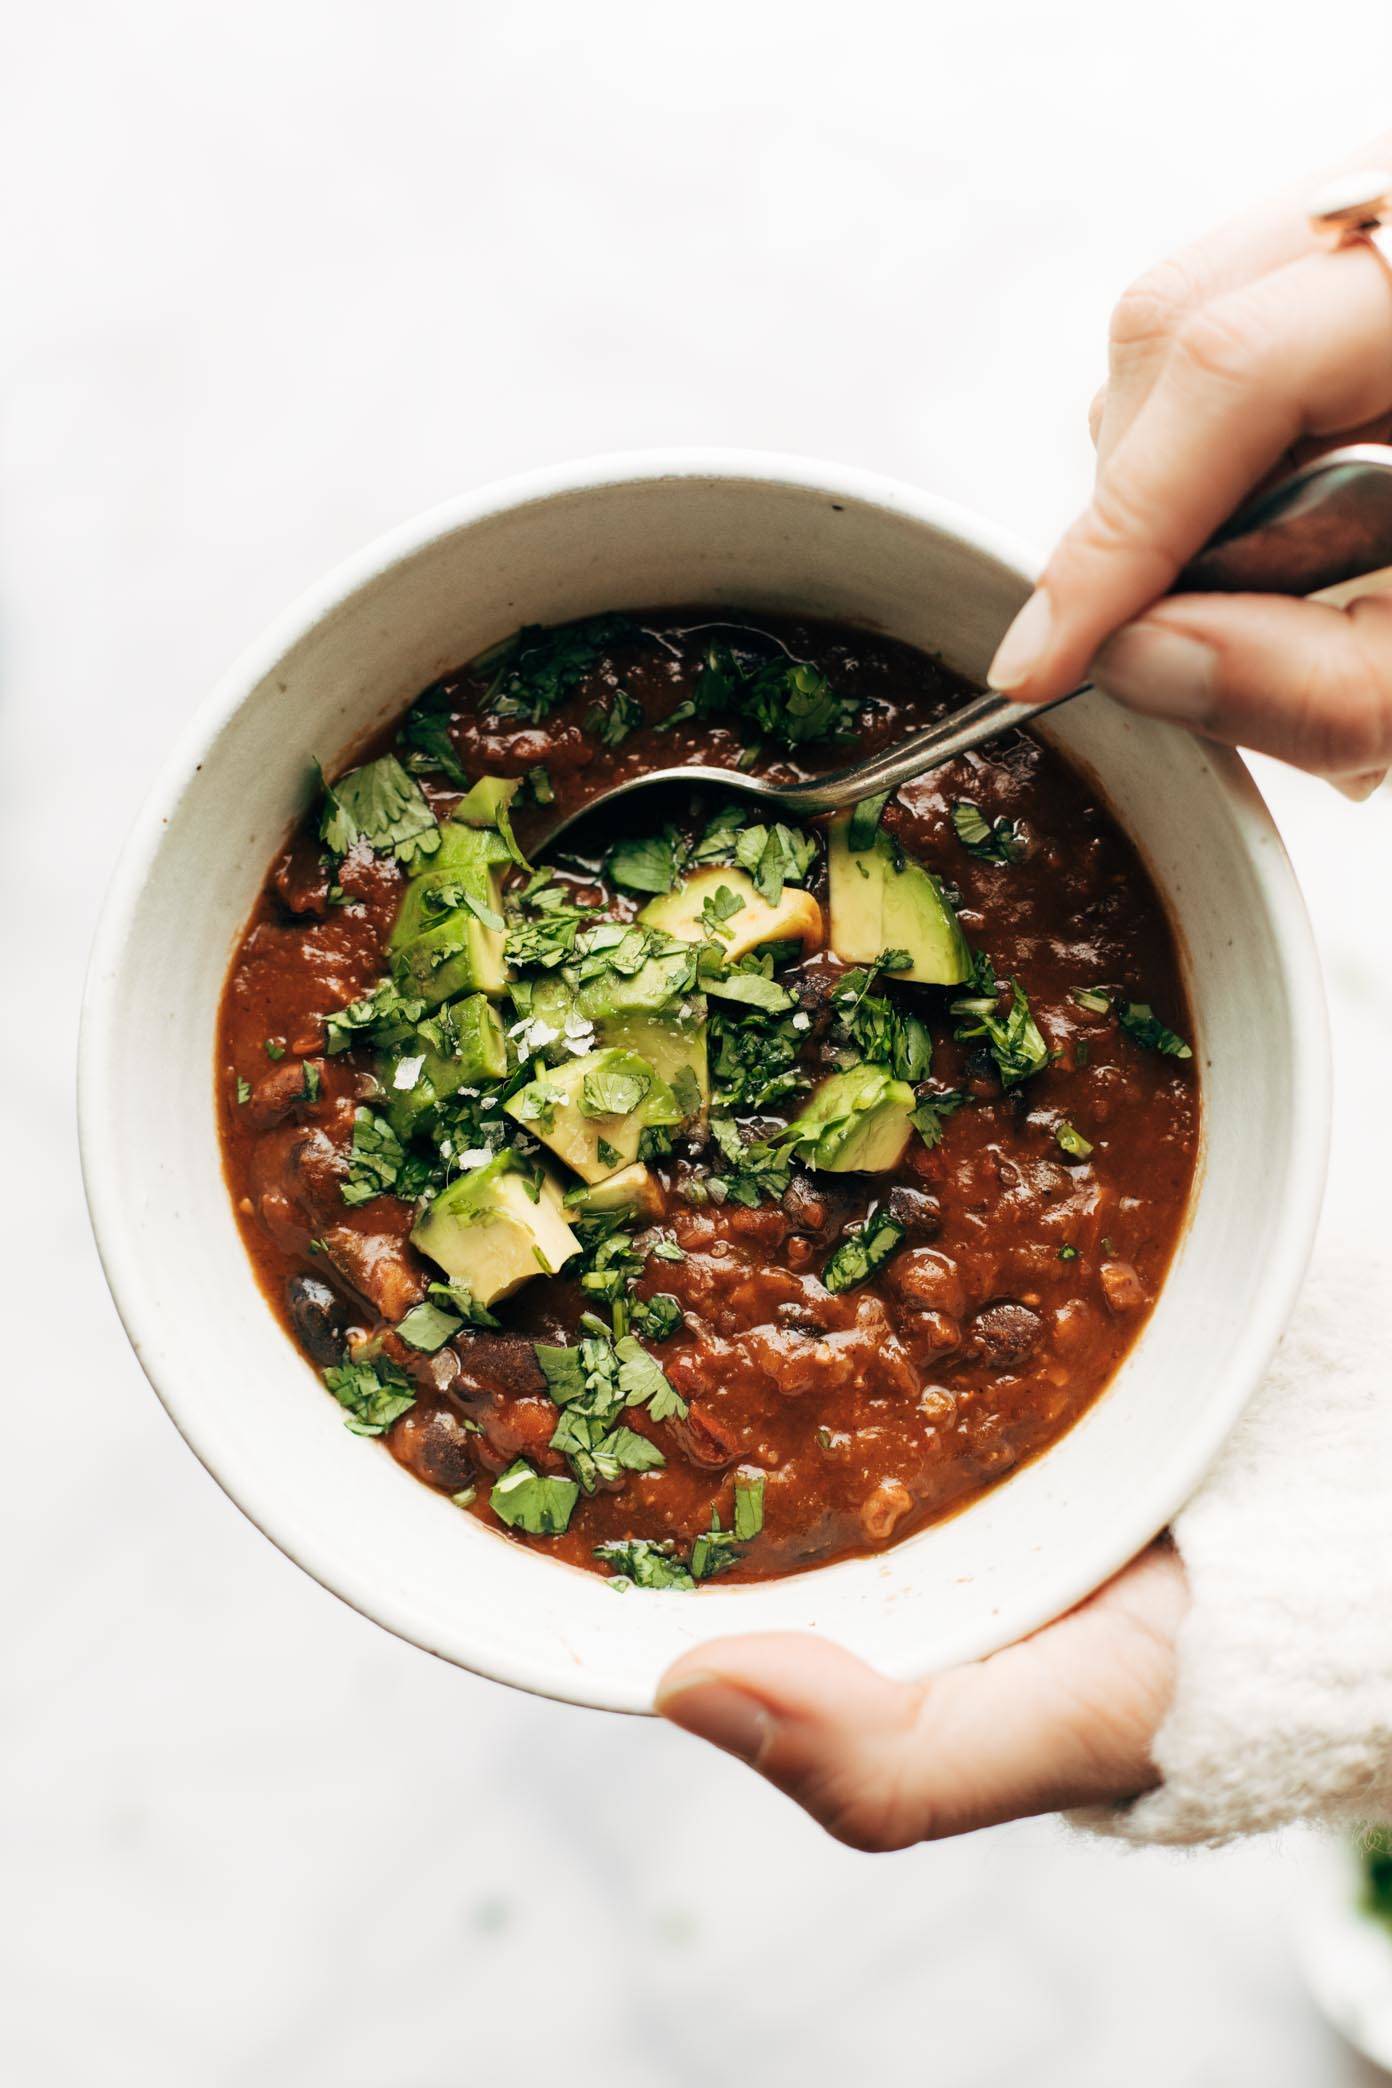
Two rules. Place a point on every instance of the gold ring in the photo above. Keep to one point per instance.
(1356, 210)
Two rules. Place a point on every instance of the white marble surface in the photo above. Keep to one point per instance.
(275, 277)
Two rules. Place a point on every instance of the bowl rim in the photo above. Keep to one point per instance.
(137, 1306)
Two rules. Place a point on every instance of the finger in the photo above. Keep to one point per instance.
(1302, 352)
(1304, 681)
(1064, 1718)
(1152, 311)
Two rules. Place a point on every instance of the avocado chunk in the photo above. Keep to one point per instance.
(674, 1046)
(695, 912)
(495, 1228)
(593, 1111)
(460, 1044)
(633, 1189)
(672, 1039)
(856, 1122)
(445, 940)
(882, 899)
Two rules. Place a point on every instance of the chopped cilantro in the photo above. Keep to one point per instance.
(526, 1500)
(649, 865)
(275, 1049)
(381, 1017)
(933, 1111)
(1071, 1142)
(427, 1328)
(658, 1317)
(749, 1505)
(425, 735)
(1068, 1253)
(865, 822)
(243, 1089)
(382, 806)
(612, 722)
(375, 1160)
(1092, 998)
(713, 1551)
(539, 784)
(616, 1087)
(1139, 1021)
(644, 1562)
(374, 1392)
(311, 1082)
(539, 668)
(722, 906)
(756, 1172)
(643, 1381)
(881, 1031)
(991, 840)
(862, 1250)
(771, 855)
(752, 989)
(1015, 1042)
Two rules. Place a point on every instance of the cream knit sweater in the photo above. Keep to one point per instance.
(1283, 1702)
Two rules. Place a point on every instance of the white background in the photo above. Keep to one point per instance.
(274, 277)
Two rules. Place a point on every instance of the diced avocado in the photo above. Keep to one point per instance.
(882, 899)
(495, 1228)
(675, 1046)
(462, 1043)
(593, 1111)
(441, 945)
(633, 1188)
(673, 1040)
(658, 983)
(696, 913)
(490, 798)
(855, 1122)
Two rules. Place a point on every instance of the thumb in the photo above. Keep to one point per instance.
(1305, 681)
(1065, 1718)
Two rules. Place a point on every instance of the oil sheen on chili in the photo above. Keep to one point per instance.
(705, 1194)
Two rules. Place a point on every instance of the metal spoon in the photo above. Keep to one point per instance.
(1328, 522)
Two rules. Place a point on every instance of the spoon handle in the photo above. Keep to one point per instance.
(984, 718)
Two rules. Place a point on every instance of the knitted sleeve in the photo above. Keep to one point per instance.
(1283, 1699)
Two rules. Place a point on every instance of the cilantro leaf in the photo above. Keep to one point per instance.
(756, 1172)
(612, 722)
(990, 840)
(882, 1032)
(933, 1112)
(644, 1562)
(753, 989)
(713, 1551)
(643, 1382)
(1139, 1020)
(383, 1016)
(749, 1505)
(617, 1087)
(374, 1393)
(540, 667)
(862, 1250)
(526, 1500)
(427, 1328)
(649, 865)
(382, 806)
(425, 734)
(1015, 1042)
(865, 822)
(721, 906)
(375, 1160)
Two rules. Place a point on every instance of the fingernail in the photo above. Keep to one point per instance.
(1360, 787)
(715, 1710)
(1163, 672)
(1023, 646)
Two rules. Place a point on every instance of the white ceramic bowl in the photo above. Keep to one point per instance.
(757, 531)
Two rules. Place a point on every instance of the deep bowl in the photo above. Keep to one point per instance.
(760, 532)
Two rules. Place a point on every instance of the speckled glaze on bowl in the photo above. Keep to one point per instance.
(763, 532)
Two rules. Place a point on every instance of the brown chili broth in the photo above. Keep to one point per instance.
(871, 1413)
